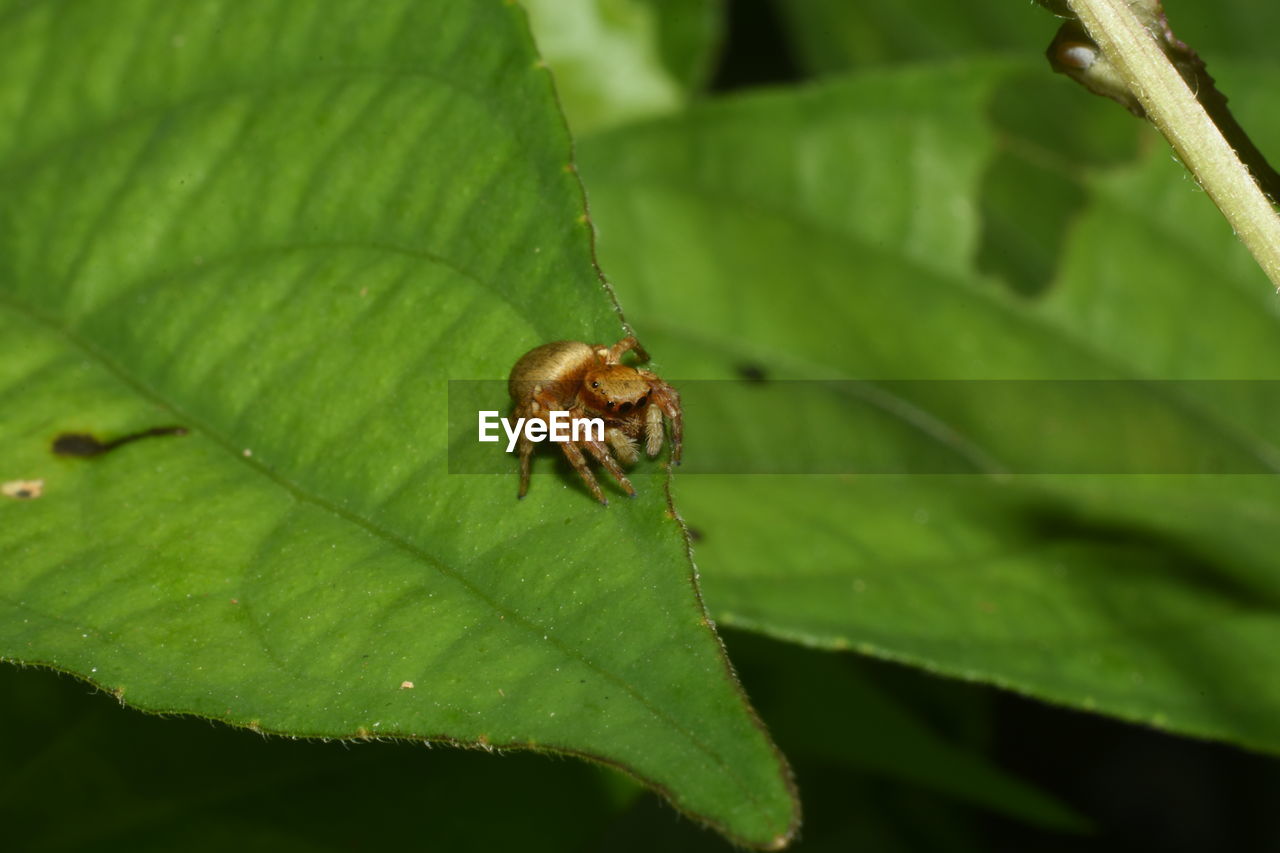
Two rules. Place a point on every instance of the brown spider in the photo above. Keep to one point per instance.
(590, 382)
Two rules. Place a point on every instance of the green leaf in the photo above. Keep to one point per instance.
(619, 60)
(854, 231)
(283, 226)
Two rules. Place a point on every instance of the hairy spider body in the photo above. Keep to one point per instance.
(591, 382)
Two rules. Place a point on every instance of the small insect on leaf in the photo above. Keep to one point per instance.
(590, 382)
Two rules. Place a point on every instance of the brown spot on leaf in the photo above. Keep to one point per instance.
(84, 445)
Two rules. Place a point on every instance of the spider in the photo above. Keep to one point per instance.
(591, 382)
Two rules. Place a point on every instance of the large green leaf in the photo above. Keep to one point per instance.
(283, 226)
(873, 229)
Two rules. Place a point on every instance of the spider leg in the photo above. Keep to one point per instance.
(525, 448)
(677, 426)
(623, 446)
(667, 399)
(600, 451)
(539, 406)
(602, 455)
(579, 463)
(653, 431)
(613, 354)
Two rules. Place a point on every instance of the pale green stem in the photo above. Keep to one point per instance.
(1174, 109)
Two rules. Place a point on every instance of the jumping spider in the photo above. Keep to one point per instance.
(591, 382)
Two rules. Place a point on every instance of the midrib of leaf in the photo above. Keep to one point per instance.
(304, 495)
(1267, 454)
(175, 275)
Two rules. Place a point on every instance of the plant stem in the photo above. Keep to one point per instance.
(1152, 78)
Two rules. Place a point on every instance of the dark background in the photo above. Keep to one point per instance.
(80, 773)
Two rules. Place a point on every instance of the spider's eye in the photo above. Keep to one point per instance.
(595, 384)
(609, 405)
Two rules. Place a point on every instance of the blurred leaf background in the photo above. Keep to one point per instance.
(821, 189)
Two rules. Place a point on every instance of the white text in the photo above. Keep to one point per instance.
(558, 426)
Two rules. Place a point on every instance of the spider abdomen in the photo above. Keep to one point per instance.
(557, 367)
